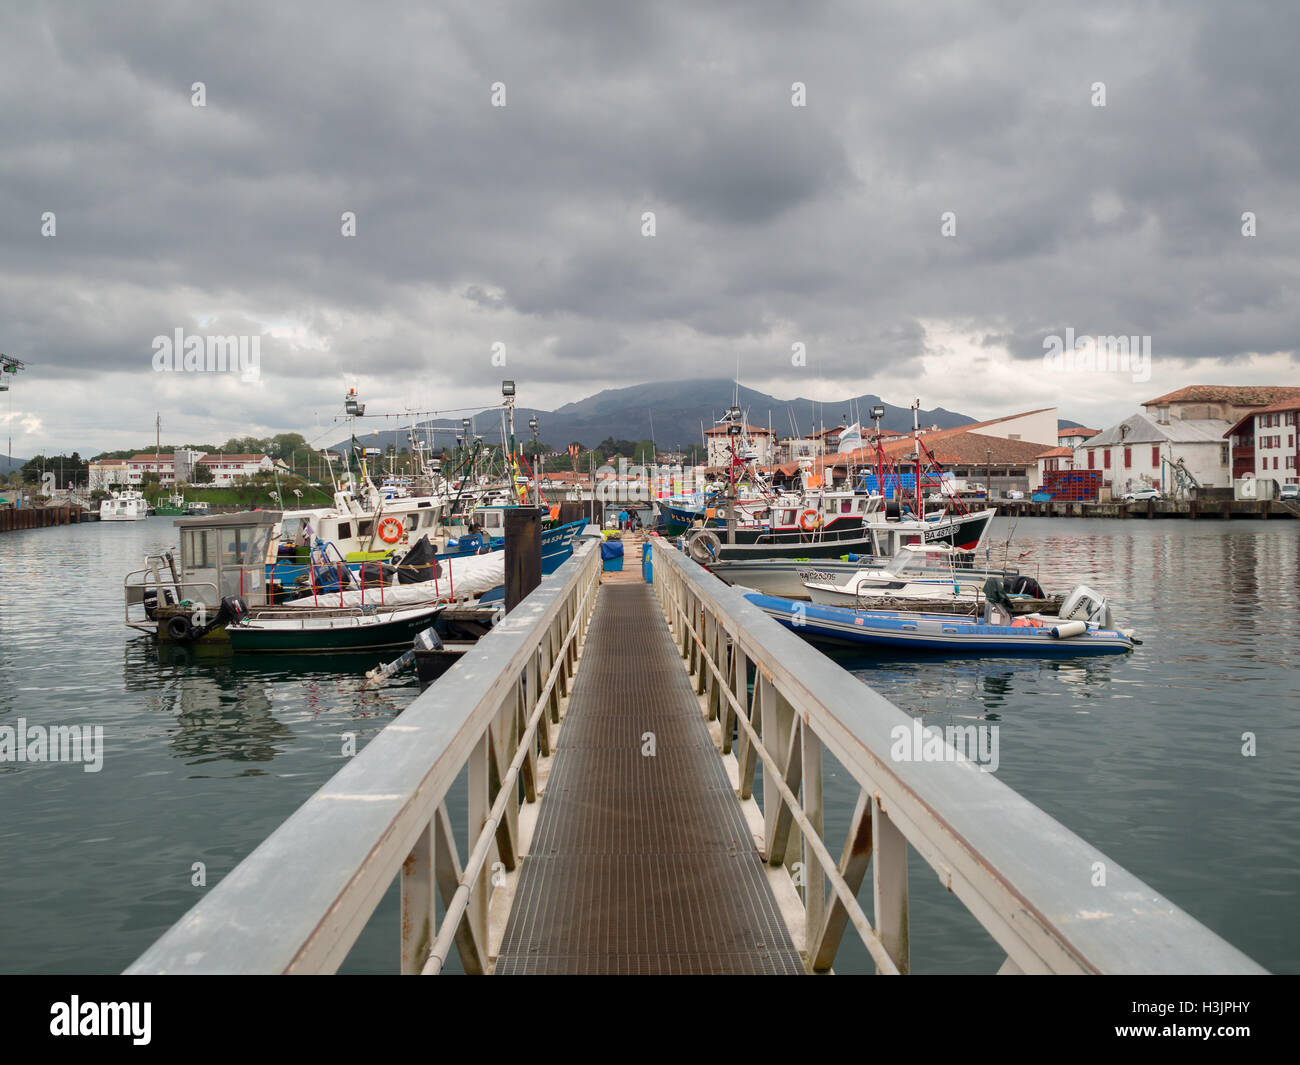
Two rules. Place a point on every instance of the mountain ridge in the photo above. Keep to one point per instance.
(672, 413)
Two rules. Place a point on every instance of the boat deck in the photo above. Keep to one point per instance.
(641, 863)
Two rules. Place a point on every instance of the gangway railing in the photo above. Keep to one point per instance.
(298, 903)
(1051, 901)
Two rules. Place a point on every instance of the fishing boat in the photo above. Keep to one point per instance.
(173, 506)
(818, 521)
(316, 629)
(127, 505)
(1083, 626)
(794, 532)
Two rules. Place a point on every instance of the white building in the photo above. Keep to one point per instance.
(1076, 437)
(106, 473)
(1142, 453)
(1266, 442)
(225, 468)
(163, 464)
(1036, 426)
(1050, 461)
(760, 442)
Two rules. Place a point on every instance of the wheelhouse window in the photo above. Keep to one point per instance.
(200, 549)
(232, 546)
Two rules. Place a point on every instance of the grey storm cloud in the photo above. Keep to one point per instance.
(522, 224)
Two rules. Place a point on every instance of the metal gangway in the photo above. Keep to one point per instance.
(618, 821)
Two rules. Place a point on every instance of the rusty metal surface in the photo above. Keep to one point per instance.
(640, 863)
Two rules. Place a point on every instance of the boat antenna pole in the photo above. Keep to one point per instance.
(916, 440)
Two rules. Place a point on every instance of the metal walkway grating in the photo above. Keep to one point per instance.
(640, 864)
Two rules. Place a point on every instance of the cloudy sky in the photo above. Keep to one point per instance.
(522, 225)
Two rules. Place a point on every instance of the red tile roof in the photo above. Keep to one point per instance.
(1056, 452)
(1238, 395)
(951, 447)
(1290, 403)
(1077, 432)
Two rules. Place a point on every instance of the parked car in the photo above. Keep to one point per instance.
(1013, 494)
(1290, 491)
(1142, 494)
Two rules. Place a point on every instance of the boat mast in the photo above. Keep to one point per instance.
(916, 443)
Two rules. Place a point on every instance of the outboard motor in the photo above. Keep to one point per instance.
(1084, 604)
(232, 611)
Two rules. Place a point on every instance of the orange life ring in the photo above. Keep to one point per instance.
(809, 520)
(390, 525)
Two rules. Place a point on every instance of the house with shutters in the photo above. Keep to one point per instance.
(1141, 452)
(1266, 442)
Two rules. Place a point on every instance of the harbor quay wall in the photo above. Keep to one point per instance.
(15, 518)
(1260, 509)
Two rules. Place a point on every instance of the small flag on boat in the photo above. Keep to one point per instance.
(851, 438)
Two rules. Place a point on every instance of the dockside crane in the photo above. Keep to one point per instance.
(8, 365)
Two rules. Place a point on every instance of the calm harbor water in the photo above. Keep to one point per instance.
(205, 754)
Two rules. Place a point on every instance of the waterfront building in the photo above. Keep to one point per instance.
(107, 474)
(1051, 461)
(1073, 438)
(225, 468)
(1228, 403)
(1140, 452)
(1266, 442)
(760, 441)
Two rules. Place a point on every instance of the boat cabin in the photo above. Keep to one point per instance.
(224, 554)
(831, 510)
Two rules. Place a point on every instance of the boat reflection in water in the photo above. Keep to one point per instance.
(981, 689)
(224, 707)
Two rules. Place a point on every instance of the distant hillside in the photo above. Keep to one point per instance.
(6, 465)
(674, 410)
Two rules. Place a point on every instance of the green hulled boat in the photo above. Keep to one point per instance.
(326, 629)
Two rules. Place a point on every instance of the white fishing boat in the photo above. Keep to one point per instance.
(127, 505)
